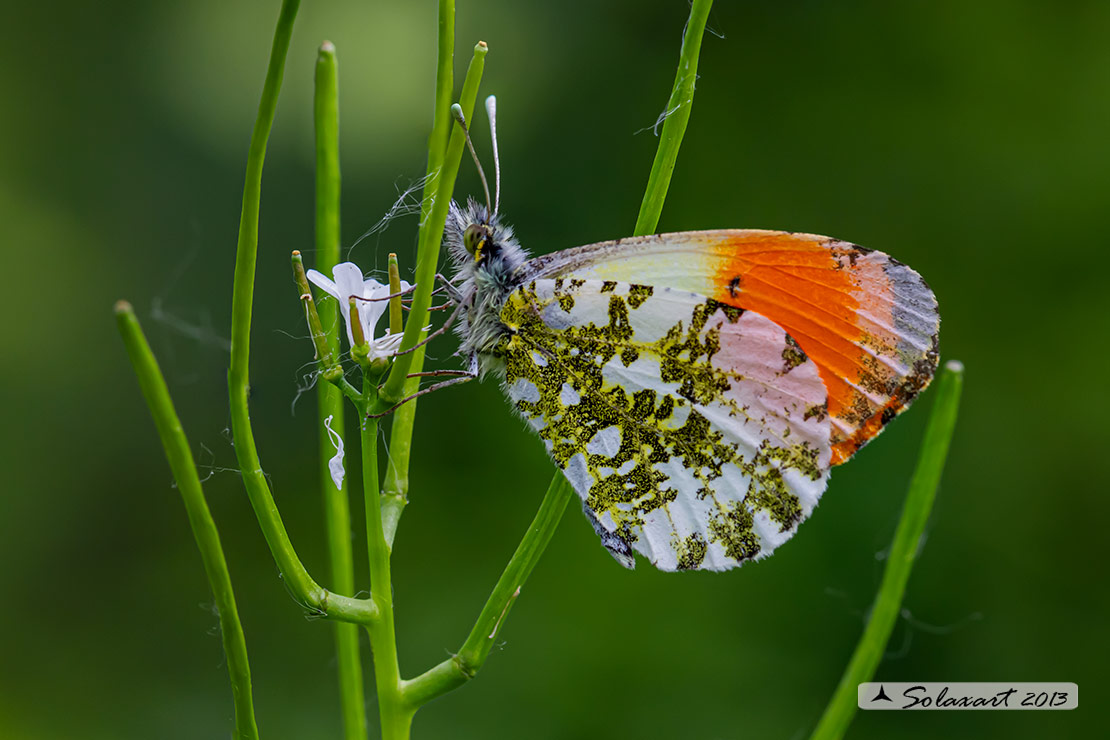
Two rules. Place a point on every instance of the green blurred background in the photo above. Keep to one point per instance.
(966, 139)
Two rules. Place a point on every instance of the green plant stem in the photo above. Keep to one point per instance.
(460, 668)
(903, 550)
(337, 513)
(395, 489)
(431, 237)
(396, 486)
(180, 457)
(677, 116)
(396, 718)
(310, 594)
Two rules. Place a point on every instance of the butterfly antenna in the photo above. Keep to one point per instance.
(456, 111)
(491, 112)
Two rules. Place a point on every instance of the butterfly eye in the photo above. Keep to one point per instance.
(473, 238)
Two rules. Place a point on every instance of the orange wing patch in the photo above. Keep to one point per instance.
(869, 322)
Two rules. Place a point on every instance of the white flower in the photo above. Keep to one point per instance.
(349, 282)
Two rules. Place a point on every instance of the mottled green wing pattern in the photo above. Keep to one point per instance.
(694, 431)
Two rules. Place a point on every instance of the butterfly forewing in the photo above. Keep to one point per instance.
(869, 322)
(695, 431)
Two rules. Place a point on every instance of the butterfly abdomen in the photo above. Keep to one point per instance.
(484, 330)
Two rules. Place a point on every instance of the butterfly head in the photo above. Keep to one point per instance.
(480, 244)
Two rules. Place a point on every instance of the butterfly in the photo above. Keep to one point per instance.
(695, 388)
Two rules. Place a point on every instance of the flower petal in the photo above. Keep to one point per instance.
(323, 283)
(348, 279)
(386, 345)
(370, 285)
(372, 310)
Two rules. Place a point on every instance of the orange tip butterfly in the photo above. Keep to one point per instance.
(695, 388)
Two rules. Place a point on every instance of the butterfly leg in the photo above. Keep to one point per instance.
(441, 374)
(466, 375)
(399, 294)
(418, 394)
(446, 325)
(437, 291)
(452, 292)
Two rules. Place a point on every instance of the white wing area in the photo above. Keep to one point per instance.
(694, 431)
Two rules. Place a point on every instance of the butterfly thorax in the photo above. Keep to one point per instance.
(487, 258)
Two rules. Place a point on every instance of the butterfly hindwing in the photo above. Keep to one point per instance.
(869, 322)
(694, 431)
